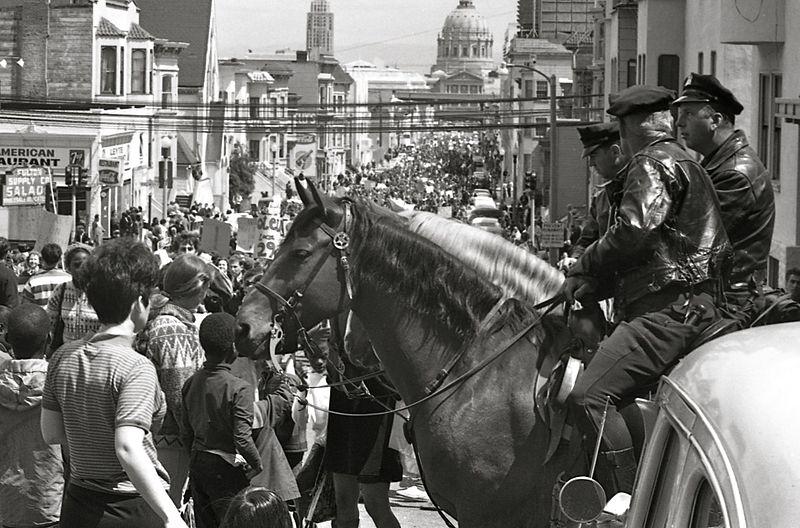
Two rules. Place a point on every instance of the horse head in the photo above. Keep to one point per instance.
(306, 282)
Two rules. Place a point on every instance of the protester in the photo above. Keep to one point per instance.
(31, 471)
(217, 425)
(81, 236)
(103, 399)
(98, 232)
(72, 316)
(40, 287)
(256, 507)
(31, 267)
(170, 340)
(9, 295)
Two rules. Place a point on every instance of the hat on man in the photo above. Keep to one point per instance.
(640, 99)
(707, 89)
(595, 136)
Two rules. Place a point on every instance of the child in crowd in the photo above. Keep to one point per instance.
(102, 399)
(217, 425)
(31, 472)
(257, 508)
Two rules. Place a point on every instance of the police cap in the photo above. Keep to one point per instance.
(595, 136)
(640, 99)
(707, 89)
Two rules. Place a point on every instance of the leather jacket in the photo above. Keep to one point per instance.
(747, 204)
(667, 229)
(601, 213)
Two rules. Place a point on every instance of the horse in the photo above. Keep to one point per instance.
(462, 354)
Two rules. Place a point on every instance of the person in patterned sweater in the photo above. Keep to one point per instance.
(170, 340)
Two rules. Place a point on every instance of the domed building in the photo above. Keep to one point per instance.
(465, 43)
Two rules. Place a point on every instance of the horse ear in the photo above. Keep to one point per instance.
(302, 191)
(317, 198)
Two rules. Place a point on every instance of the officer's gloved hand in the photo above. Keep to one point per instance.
(579, 287)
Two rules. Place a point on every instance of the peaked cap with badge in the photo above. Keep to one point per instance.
(707, 89)
(640, 99)
(596, 136)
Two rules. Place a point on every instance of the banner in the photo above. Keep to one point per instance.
(247, 234)
(53, 228)
(216, 237)
(303, 155)
(26, 186)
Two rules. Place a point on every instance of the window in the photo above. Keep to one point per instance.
(528, 89)
(668, 471)
(713, 61)
(541, 125)
(465, 51)
(108, 70)
(773, 271)
(255, 147)
(166, 91)
(706, 511)
(474, 50)
(464, 89)
(669, 71)
(254, 110)
(631, 72)
(483, 51)
(473, 89)
(541, 89)
(769, 130)
(700, 63)
(138, 71)
(447, 51)
(614, 75)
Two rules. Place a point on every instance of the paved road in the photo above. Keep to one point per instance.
(411, 514)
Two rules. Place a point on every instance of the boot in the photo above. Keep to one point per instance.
(622, 465)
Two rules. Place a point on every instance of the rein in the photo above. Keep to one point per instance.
(549, 304)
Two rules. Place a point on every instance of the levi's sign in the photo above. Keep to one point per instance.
(26, 186)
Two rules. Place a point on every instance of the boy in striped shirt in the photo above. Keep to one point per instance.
(39, 288)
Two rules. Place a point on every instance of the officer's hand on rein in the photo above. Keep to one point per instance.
(577, 288)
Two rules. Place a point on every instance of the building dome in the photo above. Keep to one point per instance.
(465, 43)
(465, 19)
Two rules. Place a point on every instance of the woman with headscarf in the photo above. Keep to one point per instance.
(171, 341)
(71, 315)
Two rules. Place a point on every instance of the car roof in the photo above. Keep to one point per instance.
(744, 386)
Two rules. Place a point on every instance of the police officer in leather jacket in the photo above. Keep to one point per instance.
(601, 145)
(667, 250)
(706, 121)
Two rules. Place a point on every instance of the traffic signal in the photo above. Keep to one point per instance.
(530, 181)
(83, 177)
(165, 174)
(68, 176)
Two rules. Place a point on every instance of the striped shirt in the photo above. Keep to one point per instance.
(40, 287)
(98, 385)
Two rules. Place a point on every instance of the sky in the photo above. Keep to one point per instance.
(398, 33)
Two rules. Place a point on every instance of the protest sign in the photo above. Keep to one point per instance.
(552, 235)
(52, 228)
(216, 237)
(247, 234)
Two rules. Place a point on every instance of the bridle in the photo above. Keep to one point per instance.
(340, 242)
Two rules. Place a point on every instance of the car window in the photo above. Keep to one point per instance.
(706, 512)
(665, 486)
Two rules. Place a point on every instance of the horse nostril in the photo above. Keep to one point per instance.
(242, 330)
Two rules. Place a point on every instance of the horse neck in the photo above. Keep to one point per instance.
(410, 355)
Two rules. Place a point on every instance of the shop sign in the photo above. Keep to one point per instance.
(52, 157)
(552, 235)
(109, 171)
(26, 186)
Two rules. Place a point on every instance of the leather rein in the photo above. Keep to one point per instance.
(340, 241)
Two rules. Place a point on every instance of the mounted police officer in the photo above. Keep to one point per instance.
(706, 121)
(602, 146)
(666, 249)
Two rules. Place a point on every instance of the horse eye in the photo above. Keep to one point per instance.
(302, 253)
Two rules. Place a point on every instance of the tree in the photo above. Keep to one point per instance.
(241, 172)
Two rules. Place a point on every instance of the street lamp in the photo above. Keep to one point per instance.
(551, 80)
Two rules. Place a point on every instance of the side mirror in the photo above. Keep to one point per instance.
(582, 499)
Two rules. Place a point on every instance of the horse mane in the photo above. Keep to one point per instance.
(446, 293)
(519, 274)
